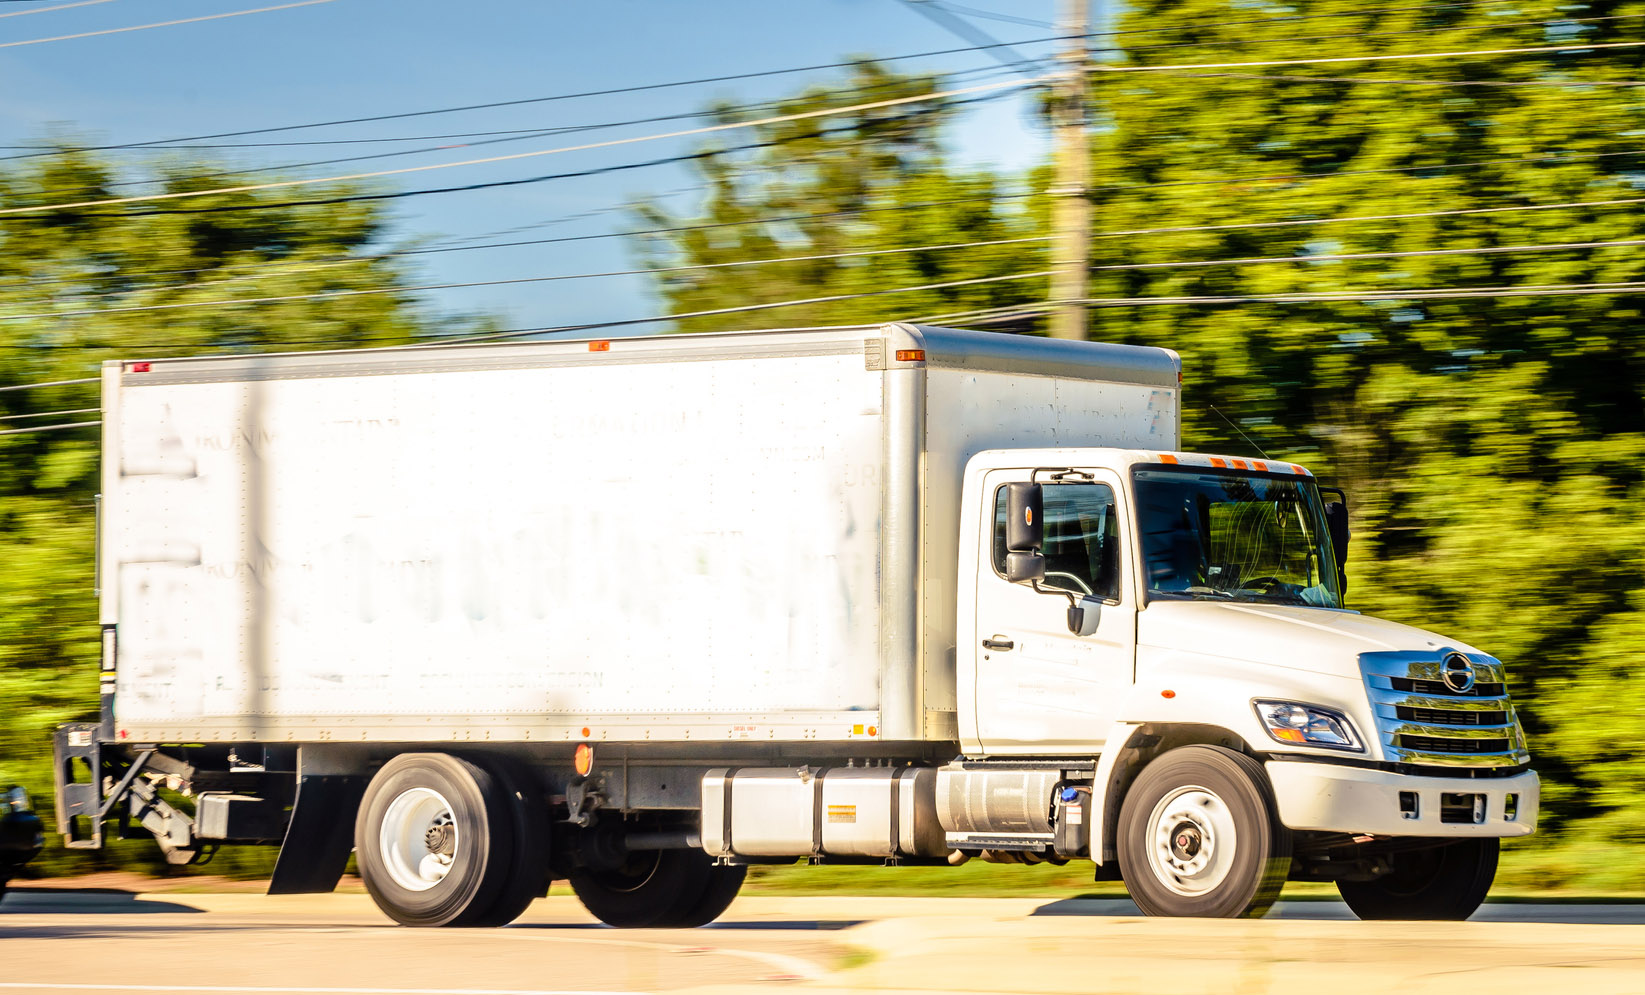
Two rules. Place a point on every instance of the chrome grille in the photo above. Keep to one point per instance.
(1422, 720)
(1450, 716)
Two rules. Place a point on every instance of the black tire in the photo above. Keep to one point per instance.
(441, 791)
(527, 877)
(1446, 882)
(724, 882)
(1186, 869)
(658, 888)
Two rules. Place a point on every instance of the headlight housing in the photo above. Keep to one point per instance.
(1296, 724)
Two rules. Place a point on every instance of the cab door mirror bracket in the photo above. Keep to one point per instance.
(1024, 561)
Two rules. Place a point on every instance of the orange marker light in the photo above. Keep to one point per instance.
(583, 760)
(873, 731)
(599, 345)
(586, 733)
(1167, 694)
(1167, 458)
(910, 355)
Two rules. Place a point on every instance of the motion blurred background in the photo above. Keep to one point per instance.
(1399, 244)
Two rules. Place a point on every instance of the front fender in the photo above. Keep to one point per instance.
(1175, 687)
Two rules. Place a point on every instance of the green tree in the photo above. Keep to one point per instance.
(847, 183)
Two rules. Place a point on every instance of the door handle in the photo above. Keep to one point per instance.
(998, 642)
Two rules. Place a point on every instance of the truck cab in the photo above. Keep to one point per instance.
(1142, 607)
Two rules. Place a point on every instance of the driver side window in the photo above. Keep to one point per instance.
(1081, 539)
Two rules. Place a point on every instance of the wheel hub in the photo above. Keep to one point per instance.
(1186, 841)
(418, 839)
(440, 839)
(1191, 843)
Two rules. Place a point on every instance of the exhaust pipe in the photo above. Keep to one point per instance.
(680, 839)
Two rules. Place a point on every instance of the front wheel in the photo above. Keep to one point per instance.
(1446, 882)
(1199, 835)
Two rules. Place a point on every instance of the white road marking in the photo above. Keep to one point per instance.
(295, 990)
(783, 963)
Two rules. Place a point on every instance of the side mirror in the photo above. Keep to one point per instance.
(1024, 532)
(1336, 521)
(1024, 568)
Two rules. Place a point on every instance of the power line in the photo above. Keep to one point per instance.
(1352, 256)
(1571, 48)
(1346, 296)
(162, 24)
(1381, 294)
(60, 6)
(48, 428)
(506, 136)
(493, 104)
(487, 160)
(989, 14)
(49, 383)
(971, 33)
(736, 76)
(1321, 175)
(783, 219)
(523, 332)
(778, 219)
(373, 291)
(1362, 80)
(743, 308)
(50, 414)
(494, 184)
(1373, 217)
(1495, 27)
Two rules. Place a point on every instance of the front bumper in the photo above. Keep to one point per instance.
(1331, 798)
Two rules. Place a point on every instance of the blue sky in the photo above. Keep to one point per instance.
(359, 58)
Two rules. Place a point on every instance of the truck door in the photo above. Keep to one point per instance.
(1040, 688)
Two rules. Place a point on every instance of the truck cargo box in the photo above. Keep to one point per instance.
(697, 537)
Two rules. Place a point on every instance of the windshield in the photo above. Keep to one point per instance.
(1210, 535)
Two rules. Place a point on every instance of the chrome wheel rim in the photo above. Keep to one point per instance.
(1191, 841)
(418, 839)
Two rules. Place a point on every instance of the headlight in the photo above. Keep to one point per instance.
(1307, 725)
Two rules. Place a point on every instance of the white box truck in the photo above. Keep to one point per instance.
(638, 613)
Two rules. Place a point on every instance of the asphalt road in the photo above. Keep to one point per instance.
(114, 943)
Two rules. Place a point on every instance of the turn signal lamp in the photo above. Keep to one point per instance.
(910, 355)
(583, 760)
(600, 345)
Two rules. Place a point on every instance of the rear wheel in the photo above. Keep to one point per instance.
(527, 877)
(659, 888)
(1199, 836)
(1445, 882)
(435, 839)
(724, 882)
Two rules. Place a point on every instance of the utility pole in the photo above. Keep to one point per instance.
(1071, 177)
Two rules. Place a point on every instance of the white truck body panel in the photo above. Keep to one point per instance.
(745, 536)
